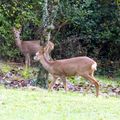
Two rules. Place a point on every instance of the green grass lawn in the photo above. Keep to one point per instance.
(16, 104)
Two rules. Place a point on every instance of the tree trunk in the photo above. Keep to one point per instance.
(42, 78)
(48, 19)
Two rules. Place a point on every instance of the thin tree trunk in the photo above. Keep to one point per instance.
(42, 78)
(48, 19)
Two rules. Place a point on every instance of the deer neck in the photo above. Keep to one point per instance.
(46, 63)
(47, 56)
(17, 40)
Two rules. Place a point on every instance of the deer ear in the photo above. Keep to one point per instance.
(52, 45)
(17, 29)
(46, 46)
(20, 29)
(45, 49)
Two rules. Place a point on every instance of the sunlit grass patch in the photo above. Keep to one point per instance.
(16, 104)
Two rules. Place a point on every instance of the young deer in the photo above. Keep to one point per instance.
(27, 48)
(77, 66)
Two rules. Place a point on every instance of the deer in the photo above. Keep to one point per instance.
(29, 47)
(77, 66)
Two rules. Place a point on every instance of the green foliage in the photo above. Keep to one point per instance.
(26, 72)
(77, 80)
(15, 13)
(19, 12)
(5, 68)
(6, 40)
(86, 27)
(7, 43)
(91, 19)
(92, 29)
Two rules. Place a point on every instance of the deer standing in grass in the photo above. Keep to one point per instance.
(77, 66)
(27, 48)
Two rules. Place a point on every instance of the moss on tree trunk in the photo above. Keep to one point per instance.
(42, 78)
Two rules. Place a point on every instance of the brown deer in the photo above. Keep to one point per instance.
(30, 47)
(27, 48)
(77, 66)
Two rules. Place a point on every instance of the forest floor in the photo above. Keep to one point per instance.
(13, 75)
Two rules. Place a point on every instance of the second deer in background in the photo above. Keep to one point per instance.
(30, 47)
(27, 48)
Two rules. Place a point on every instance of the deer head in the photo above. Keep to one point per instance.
(38, 55)
(16, 31)
(44, 50)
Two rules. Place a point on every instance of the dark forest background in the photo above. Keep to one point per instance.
(82, 27)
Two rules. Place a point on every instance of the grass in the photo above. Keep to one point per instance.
(113, 81)
(16, 104)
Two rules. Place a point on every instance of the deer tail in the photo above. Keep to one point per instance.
(94, 66)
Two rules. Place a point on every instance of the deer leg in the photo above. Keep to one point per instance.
(52, 83)
(27, 60)
(88, 88)
(94, 81)
(64, 83)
